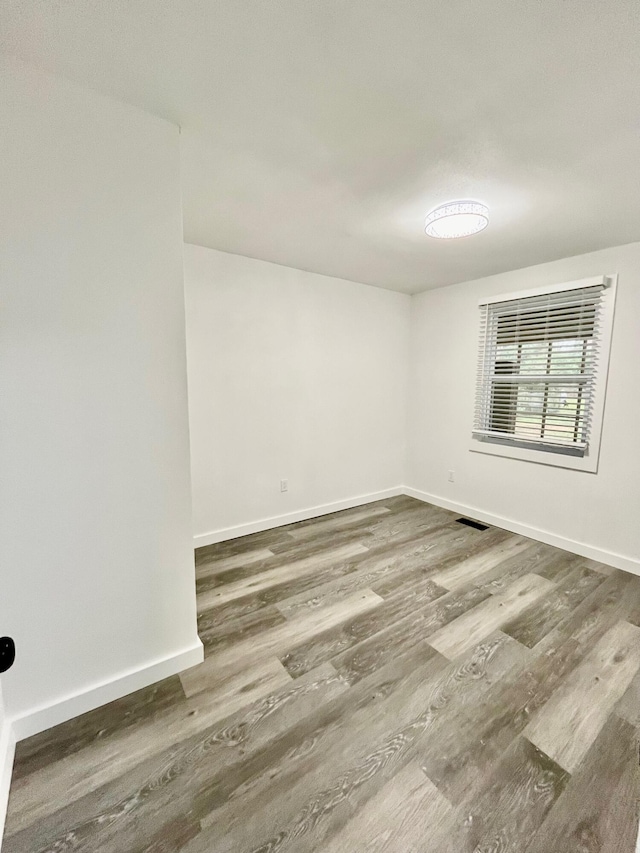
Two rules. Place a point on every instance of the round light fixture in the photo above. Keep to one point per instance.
(457, 219)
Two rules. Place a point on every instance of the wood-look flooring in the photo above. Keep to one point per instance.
(381, 680)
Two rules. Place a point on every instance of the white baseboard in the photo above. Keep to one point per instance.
(7, 752)
(592, 552)
(73, 705)
(619, 561)
(225, 533)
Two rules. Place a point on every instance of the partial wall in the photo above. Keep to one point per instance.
(96, 547)
(590, 513)
(292, 376)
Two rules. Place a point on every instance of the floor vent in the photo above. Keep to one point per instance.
(470, 523)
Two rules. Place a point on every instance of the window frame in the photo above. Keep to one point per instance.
(590, 461)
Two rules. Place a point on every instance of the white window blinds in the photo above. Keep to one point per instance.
(538, 368)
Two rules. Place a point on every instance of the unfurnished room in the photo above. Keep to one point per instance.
(319, 399)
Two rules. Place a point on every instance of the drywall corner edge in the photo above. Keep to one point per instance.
(591, 552)
(7, 752)
(46, 716)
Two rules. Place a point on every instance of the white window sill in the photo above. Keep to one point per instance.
(588, 463)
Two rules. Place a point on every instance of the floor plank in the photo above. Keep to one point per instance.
(464, 632)
(352, 758)
(628, 708)
(275, 640)
(327, 644)
(327, 525)
(243, 544)
(382, 569)
(467, 571)
(519, 794)
(243, 686)
(123, 715)
(218, 634)
(467, 747)
(406, 812)
(374, 651)
(235, 561)
(275, 576)
(543, 615)
(598, 811)
(90, 797)
(572, 718)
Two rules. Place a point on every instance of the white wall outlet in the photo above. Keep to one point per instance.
(284, 485)
(452, 477)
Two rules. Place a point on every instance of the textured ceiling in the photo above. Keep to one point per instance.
(318, 135)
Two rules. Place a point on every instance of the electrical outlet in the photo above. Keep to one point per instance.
(284, 485)
(452, 477)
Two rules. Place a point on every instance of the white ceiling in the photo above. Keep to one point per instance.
(319, 134)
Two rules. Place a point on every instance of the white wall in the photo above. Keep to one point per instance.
(292, 375)
(7, 750)
(95, 546)
(599, 510)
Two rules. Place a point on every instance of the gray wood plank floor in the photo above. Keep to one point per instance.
(381, 680)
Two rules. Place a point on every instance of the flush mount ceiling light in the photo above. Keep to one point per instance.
(457, 219)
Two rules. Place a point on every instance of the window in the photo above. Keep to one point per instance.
(542, 370)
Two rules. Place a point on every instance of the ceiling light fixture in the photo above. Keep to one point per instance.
(457, 219)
